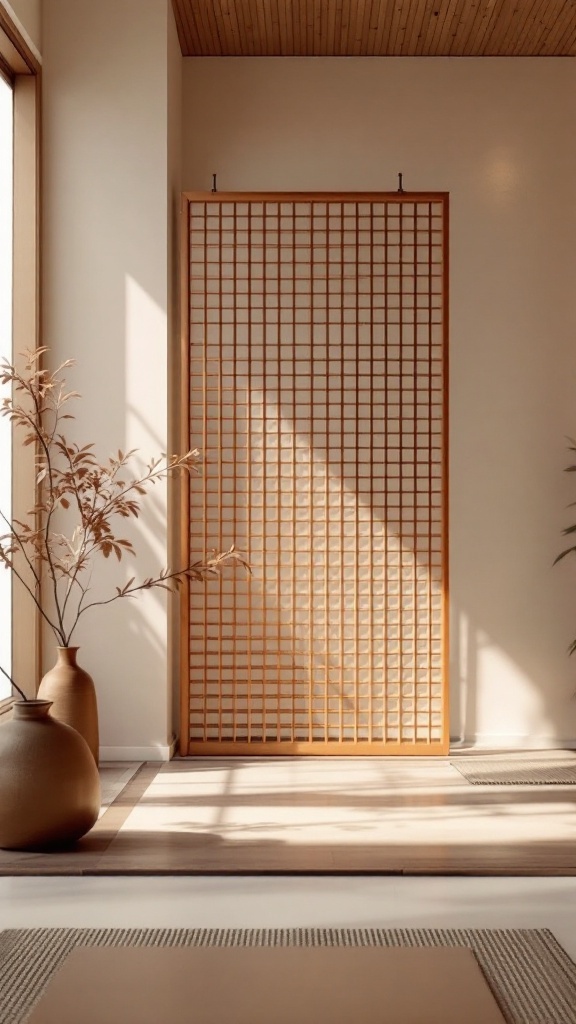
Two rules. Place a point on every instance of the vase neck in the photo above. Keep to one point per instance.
(67, 655)
(31, 710)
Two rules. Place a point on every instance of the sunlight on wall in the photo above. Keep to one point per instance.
(501, 175)
(145, 330)
(344, 591)
(509, 690)
(146, 431)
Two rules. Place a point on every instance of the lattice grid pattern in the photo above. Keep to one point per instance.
(317, 377)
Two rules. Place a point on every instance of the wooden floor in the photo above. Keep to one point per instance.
(325, 815)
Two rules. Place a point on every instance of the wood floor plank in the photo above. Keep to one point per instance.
(307, 815)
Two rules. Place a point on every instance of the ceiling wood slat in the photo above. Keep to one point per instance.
(542, 35)
(515, 19)
(421, 26)
(284, 27)
(456, 27)
(401, 25)
(203, 28)
(183, 24)
(441, 16)
(233, 25)
(529, 29)
(387, 16)
(337, 28)
(557, 36)
(318, 29)
(277, 22)
(397, 39)
(345, 28)
(182, 33)
(569, 38)
(329, 26)
(376, 28)
(496, 24)
(373, 26)
(209, 27)
(263, 41)
(526, 28)
(361, 35)
(476, 30)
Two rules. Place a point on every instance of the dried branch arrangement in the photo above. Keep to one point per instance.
(89, 498)
(569, 531)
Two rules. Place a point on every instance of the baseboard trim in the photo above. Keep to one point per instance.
(165, 752)
(485, 741)
(155, 752)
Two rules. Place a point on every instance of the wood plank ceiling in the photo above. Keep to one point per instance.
(376, 28)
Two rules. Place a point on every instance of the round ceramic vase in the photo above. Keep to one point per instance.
(49, 782)
(73, 696)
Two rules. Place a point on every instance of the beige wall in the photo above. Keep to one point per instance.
(498, 134)
(28, 16)
(106, 303)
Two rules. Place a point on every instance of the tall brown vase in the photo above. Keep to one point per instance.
(71, 691)
(49, 784)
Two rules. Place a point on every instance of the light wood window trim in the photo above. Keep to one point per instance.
(6, 72)
(21, 65)
(14, 49)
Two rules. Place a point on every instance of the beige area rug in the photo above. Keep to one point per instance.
(530, 975)
(318, 815)
(493, 772)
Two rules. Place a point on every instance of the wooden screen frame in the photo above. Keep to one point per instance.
(358, 748)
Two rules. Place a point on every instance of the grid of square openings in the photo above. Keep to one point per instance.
(317, 394)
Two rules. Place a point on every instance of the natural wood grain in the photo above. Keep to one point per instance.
(225, 28)
(183, 493)
(14, 49)
(26, 327)
(341, 349)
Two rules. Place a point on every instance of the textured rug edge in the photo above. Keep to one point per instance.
(531, 976)
(487, 773)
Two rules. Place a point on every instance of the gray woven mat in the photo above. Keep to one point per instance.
(490, 772)
(532, 978)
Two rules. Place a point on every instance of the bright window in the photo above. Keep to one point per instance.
(6, 221)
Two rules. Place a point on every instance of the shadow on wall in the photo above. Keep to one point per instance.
(475, 651)
(318, 627)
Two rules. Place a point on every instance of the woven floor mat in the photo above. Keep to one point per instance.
(491, 772)
(532, 978)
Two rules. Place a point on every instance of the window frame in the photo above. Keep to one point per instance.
(21, 68)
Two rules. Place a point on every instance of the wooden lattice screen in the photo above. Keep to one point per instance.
(316, 360)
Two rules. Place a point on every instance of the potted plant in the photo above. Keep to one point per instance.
(80, 504)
